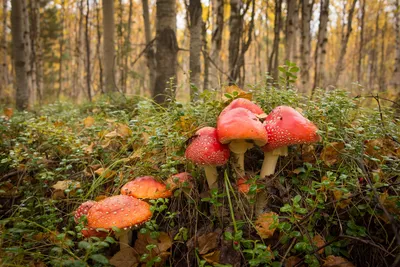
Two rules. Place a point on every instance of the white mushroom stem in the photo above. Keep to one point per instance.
(211, 175)
(239, 147)
(123, 237)
(270, 160)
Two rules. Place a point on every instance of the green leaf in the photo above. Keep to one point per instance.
(84, 245)
(99, 258)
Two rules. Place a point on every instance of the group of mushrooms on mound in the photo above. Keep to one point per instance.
(128, 209)
(239, 128)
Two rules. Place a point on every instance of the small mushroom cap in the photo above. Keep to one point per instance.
(243, 103)
(242, 186)
(118, 211)
(205, 149)
(83, 210)
(241, 124)
(178, 180)
(286, 126)
(146, 187)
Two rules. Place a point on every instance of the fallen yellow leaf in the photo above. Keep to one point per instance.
(88, 122)
(266, 224)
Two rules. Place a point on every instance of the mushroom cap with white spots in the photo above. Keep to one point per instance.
(286, 126)
(83, 210)
(241, 124)
(243, 103)
(146, 187)
(205, 149)
(118, 211)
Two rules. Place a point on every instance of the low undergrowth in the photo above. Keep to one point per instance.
(336, 197)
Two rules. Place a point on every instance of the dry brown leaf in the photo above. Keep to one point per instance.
(212, 257)
(88, 122)
(292, 261)
(100, 197)
(308, 153)
(58, 123)
(123, 130)
(331, 153)
(266, 224)
(7, 189)
(58, 194)
(241, 93)
(342, 199)
(125, 258)
(319, 241)
(89, 149)
(8, 112)
(66, 184)
(106, 173)
(379, 148)
(207, 242)
(390, 202)
(336, 261)
(163, 244)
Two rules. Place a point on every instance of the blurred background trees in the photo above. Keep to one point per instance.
(77, 50)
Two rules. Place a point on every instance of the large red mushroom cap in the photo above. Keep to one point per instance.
(243, 103)
(118, 211)
(205, 149)
(146, 187)
(241, 124)
(83, 210)
(286, 126)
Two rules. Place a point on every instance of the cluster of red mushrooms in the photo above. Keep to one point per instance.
(239, 128)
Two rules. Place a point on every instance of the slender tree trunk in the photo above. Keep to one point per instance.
(205, 58)
(150, 52)
(291, 30)
(4, 65)
(396, 74)
(118, 69)
(305, 46)
(216, 41)
(320, 51)
(235, 27)
(36, 57)
(274, 57)
(167, 50)
(127, 47)
(382, 68)
(340, 63)
(195, 28)
(108, 45)
(20, 59)
(61, 50)
(30, 68)
(98, 46)
(77, 77)
(87, 38)
(361, 46)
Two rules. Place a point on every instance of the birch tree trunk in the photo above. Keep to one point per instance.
(274, 57)
(291, 24)
(195, 28)
(167, 50)
(305, 46)
(235, 27)
(108, 45)
(320, 51)
(361, 46)
(150, 51)
(19, 54)
(340, 63)
(216, 42)
(4, 65)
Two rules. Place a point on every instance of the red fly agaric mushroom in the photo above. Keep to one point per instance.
(241, 129)
(285, 126)
(179, 180)
(146, 187)
(205, 150)
(243, 103)
(83, 209)
(119, 211)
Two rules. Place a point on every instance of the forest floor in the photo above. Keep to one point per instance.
(338, 197)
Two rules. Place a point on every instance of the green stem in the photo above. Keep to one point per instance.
(230, 201)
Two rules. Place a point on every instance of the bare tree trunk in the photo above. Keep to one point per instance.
(30, 67)
(98, 47)
(274, 57)
(87, 38)
(235, 27)
(77, 76)
(195, 28)
(4, 65)
(345, 39)
(320, 51)
(305, 46)
(216, 41)
(205, 58)
(127, 47)
(361, 47)
(61, 50)
(290, 41)
(150, 52)
(36, 58)
(382, 68)
(396, 74)
(20, 58)
(167, 50)
(108, 45)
